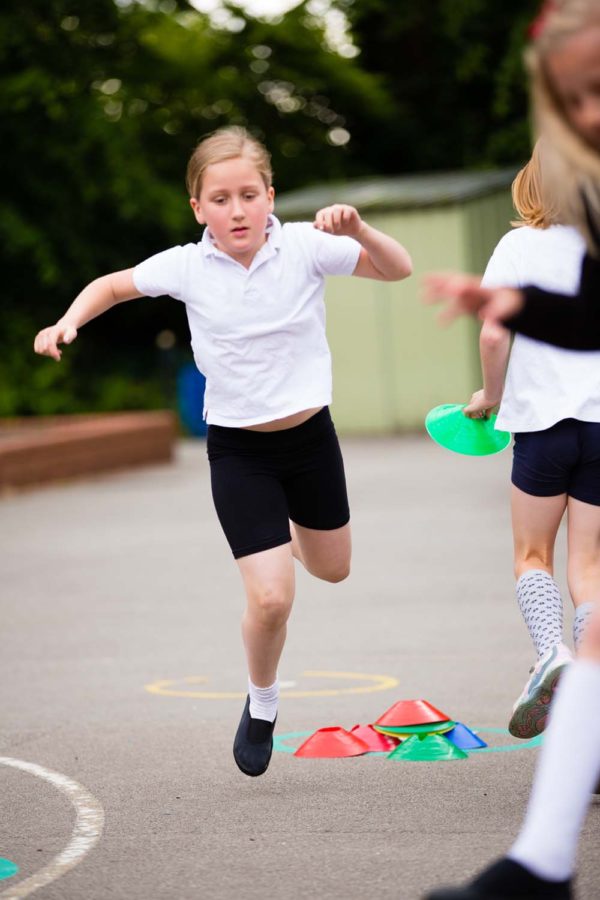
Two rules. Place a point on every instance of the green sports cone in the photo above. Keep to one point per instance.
(451, 429)
(430, 748)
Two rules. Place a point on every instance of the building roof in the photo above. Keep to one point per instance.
(395, 192)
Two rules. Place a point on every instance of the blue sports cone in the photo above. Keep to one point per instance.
(463, 737)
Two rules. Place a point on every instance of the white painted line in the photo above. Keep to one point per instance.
(86, 832)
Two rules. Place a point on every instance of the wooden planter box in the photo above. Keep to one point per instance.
(36, 451)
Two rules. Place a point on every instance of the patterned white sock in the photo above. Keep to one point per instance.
(542, 608)
(264, 701)
(582, 615)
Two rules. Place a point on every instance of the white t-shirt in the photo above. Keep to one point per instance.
(544, 384)
(258, 334)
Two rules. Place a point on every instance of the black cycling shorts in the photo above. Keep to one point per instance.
(563, 459)
(262, 479)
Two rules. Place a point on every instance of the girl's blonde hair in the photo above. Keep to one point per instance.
(573, 168)
(530, 195)
(227, 143)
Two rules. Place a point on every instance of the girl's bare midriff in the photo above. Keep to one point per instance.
(287, 422)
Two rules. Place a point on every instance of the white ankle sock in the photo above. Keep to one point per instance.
(264, 701)
(542, 608)
(566, 775)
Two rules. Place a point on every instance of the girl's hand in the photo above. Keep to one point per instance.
(47, 340)
(463, 294)
(339, 219)
(479, 406)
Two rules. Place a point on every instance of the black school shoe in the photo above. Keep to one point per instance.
(506, 880)
(253, 743)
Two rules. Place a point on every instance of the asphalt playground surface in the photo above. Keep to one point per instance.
(122, 680)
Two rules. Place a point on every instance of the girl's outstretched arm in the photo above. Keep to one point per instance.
(463, 294)
(381, 257)
(560, 319)
(94, 299)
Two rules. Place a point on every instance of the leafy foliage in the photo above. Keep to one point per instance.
(102, 104)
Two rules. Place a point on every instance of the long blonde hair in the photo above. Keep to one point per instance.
(573, 167)
(227, 143)
(534, 202)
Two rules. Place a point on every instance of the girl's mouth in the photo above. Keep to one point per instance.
(242, 229)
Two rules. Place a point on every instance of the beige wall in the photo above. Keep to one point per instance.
(391, 361)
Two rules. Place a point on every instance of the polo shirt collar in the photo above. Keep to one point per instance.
(272, 244)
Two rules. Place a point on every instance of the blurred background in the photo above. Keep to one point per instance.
(416, 112)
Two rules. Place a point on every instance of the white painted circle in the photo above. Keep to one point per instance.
(86, 831)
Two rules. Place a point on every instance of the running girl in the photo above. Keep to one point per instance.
(253, 291)
(550, 400)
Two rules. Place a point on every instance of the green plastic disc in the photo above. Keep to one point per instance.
(430, 728)
(451, 429)
(427, 748)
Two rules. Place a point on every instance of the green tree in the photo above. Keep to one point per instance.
(103, 105)
(455, 72)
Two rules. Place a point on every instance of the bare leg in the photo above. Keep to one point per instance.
(584, 551)
(535, 522)
(269, 581)
(325, 554)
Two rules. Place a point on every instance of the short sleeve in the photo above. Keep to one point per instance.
(161, 274)
(503, 270)
(333, 254)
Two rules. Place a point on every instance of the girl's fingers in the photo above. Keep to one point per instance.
(335, 219)
(46, 341)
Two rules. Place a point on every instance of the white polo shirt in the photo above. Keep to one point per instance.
(258, 334)
(544, 384)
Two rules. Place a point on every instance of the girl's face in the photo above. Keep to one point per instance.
(574, 70)
(234, 203)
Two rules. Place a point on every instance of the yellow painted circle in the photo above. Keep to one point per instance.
(185, 687)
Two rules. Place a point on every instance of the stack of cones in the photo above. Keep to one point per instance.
(419, 726)
(411, 730)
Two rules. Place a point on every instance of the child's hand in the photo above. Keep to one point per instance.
(462, 294)
(47, 340)
(479, 406)
(339, 219)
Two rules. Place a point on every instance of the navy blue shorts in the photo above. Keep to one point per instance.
(262, 479)
(563, 459)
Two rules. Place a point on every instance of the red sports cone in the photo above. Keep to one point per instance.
(331, 743)
(411, 712)
(375, 741)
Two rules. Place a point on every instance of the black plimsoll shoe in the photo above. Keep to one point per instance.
(253, 743)
(506, 880)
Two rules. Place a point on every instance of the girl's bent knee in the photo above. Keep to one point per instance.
(337, 573)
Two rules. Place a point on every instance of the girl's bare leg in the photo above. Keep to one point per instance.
(269, 580)
(325, 554)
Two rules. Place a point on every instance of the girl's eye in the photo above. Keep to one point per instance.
(249, 196)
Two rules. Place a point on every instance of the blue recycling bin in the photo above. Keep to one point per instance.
(190, 399)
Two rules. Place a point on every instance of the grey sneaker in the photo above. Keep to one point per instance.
(531, 709)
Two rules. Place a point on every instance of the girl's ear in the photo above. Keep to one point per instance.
(271, 196)
(197, 211)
